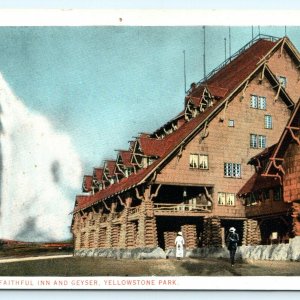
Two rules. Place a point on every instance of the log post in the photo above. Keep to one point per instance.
(147, 231)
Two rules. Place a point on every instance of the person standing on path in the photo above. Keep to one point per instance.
(232, 241)
(179, 242)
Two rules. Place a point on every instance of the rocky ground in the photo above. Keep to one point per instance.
(96, 266)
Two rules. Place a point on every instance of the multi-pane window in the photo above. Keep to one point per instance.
(230, 123)
(282, 81)
(262, 103)
(232, 170)
(198, 161)
(258, 141)
(254, 101)
(253, 140)
(259, 102)
(268, 122)
(226, 199)
(261, 141)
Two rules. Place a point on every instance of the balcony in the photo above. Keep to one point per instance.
(182, 209)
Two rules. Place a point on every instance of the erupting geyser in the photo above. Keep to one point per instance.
(39, 172)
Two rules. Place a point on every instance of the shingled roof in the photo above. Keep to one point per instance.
(258, 183)
(225, 83)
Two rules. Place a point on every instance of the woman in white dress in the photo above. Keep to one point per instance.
(179, 242)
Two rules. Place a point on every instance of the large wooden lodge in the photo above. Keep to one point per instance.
(230, 158)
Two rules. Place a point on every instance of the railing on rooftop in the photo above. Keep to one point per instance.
(232, 57)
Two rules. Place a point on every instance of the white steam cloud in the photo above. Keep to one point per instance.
(39, 173)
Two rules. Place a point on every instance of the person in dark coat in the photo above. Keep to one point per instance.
(232, 241)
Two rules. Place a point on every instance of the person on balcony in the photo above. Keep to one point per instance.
(179, 242)
(232, 242)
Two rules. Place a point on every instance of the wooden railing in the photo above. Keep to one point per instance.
(171, 207)
(134, 210)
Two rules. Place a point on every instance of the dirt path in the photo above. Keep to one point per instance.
(96, 266)
(19, 259)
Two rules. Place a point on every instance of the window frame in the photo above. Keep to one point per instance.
(232, 170)
(224, 200)
(252, 103)
(282, 80)
(258, 102)
(231, 123)
(258, 141)
(194, 165)
(268, 122)
(202, 162)
(259, 105)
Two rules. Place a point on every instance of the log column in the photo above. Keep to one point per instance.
(76, 231)
(147, 230)
(212, 232)
(97, 227)
(251, 233)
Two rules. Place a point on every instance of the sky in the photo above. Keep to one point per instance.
(105, 85)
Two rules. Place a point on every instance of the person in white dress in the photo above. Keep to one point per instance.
(179, 242)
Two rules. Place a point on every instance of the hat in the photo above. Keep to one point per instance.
(232, 229)
(179, 233)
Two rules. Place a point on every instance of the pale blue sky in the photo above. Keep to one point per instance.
(104, 85)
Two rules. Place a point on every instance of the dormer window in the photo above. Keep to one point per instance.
(282, 81)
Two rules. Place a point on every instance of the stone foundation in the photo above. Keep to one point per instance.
(290, 251)
(137, 253)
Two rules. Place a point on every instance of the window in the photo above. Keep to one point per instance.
(194, 163)
(282, 81)
(262, 102)
(226, 199)
(221, 198)
(232, 170)
(261, 141)
(198, 161)
(277, 194)
(230, 123)
(253, 140)
(268, 122)
(230, 199)
(258, 141)
(259, 102)
(254, 101)
(203, 161)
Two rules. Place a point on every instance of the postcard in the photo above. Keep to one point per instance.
(150, 150)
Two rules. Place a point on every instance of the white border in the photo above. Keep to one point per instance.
(126, 17)
(151, 17)
(168, 283)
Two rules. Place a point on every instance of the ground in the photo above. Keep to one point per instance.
(95, 266)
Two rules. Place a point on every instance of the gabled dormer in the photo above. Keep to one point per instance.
(98, 183)
(87, 183)
(123, 164)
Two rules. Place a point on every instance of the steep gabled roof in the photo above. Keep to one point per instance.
(151, 146)
(258, 183)
(287, 136)
(110, 166)
(263, 155)
(98, 173)
(87, 183)
(227, 82)
(126, 157)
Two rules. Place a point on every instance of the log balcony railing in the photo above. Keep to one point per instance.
(181, 208)
(134, 210)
